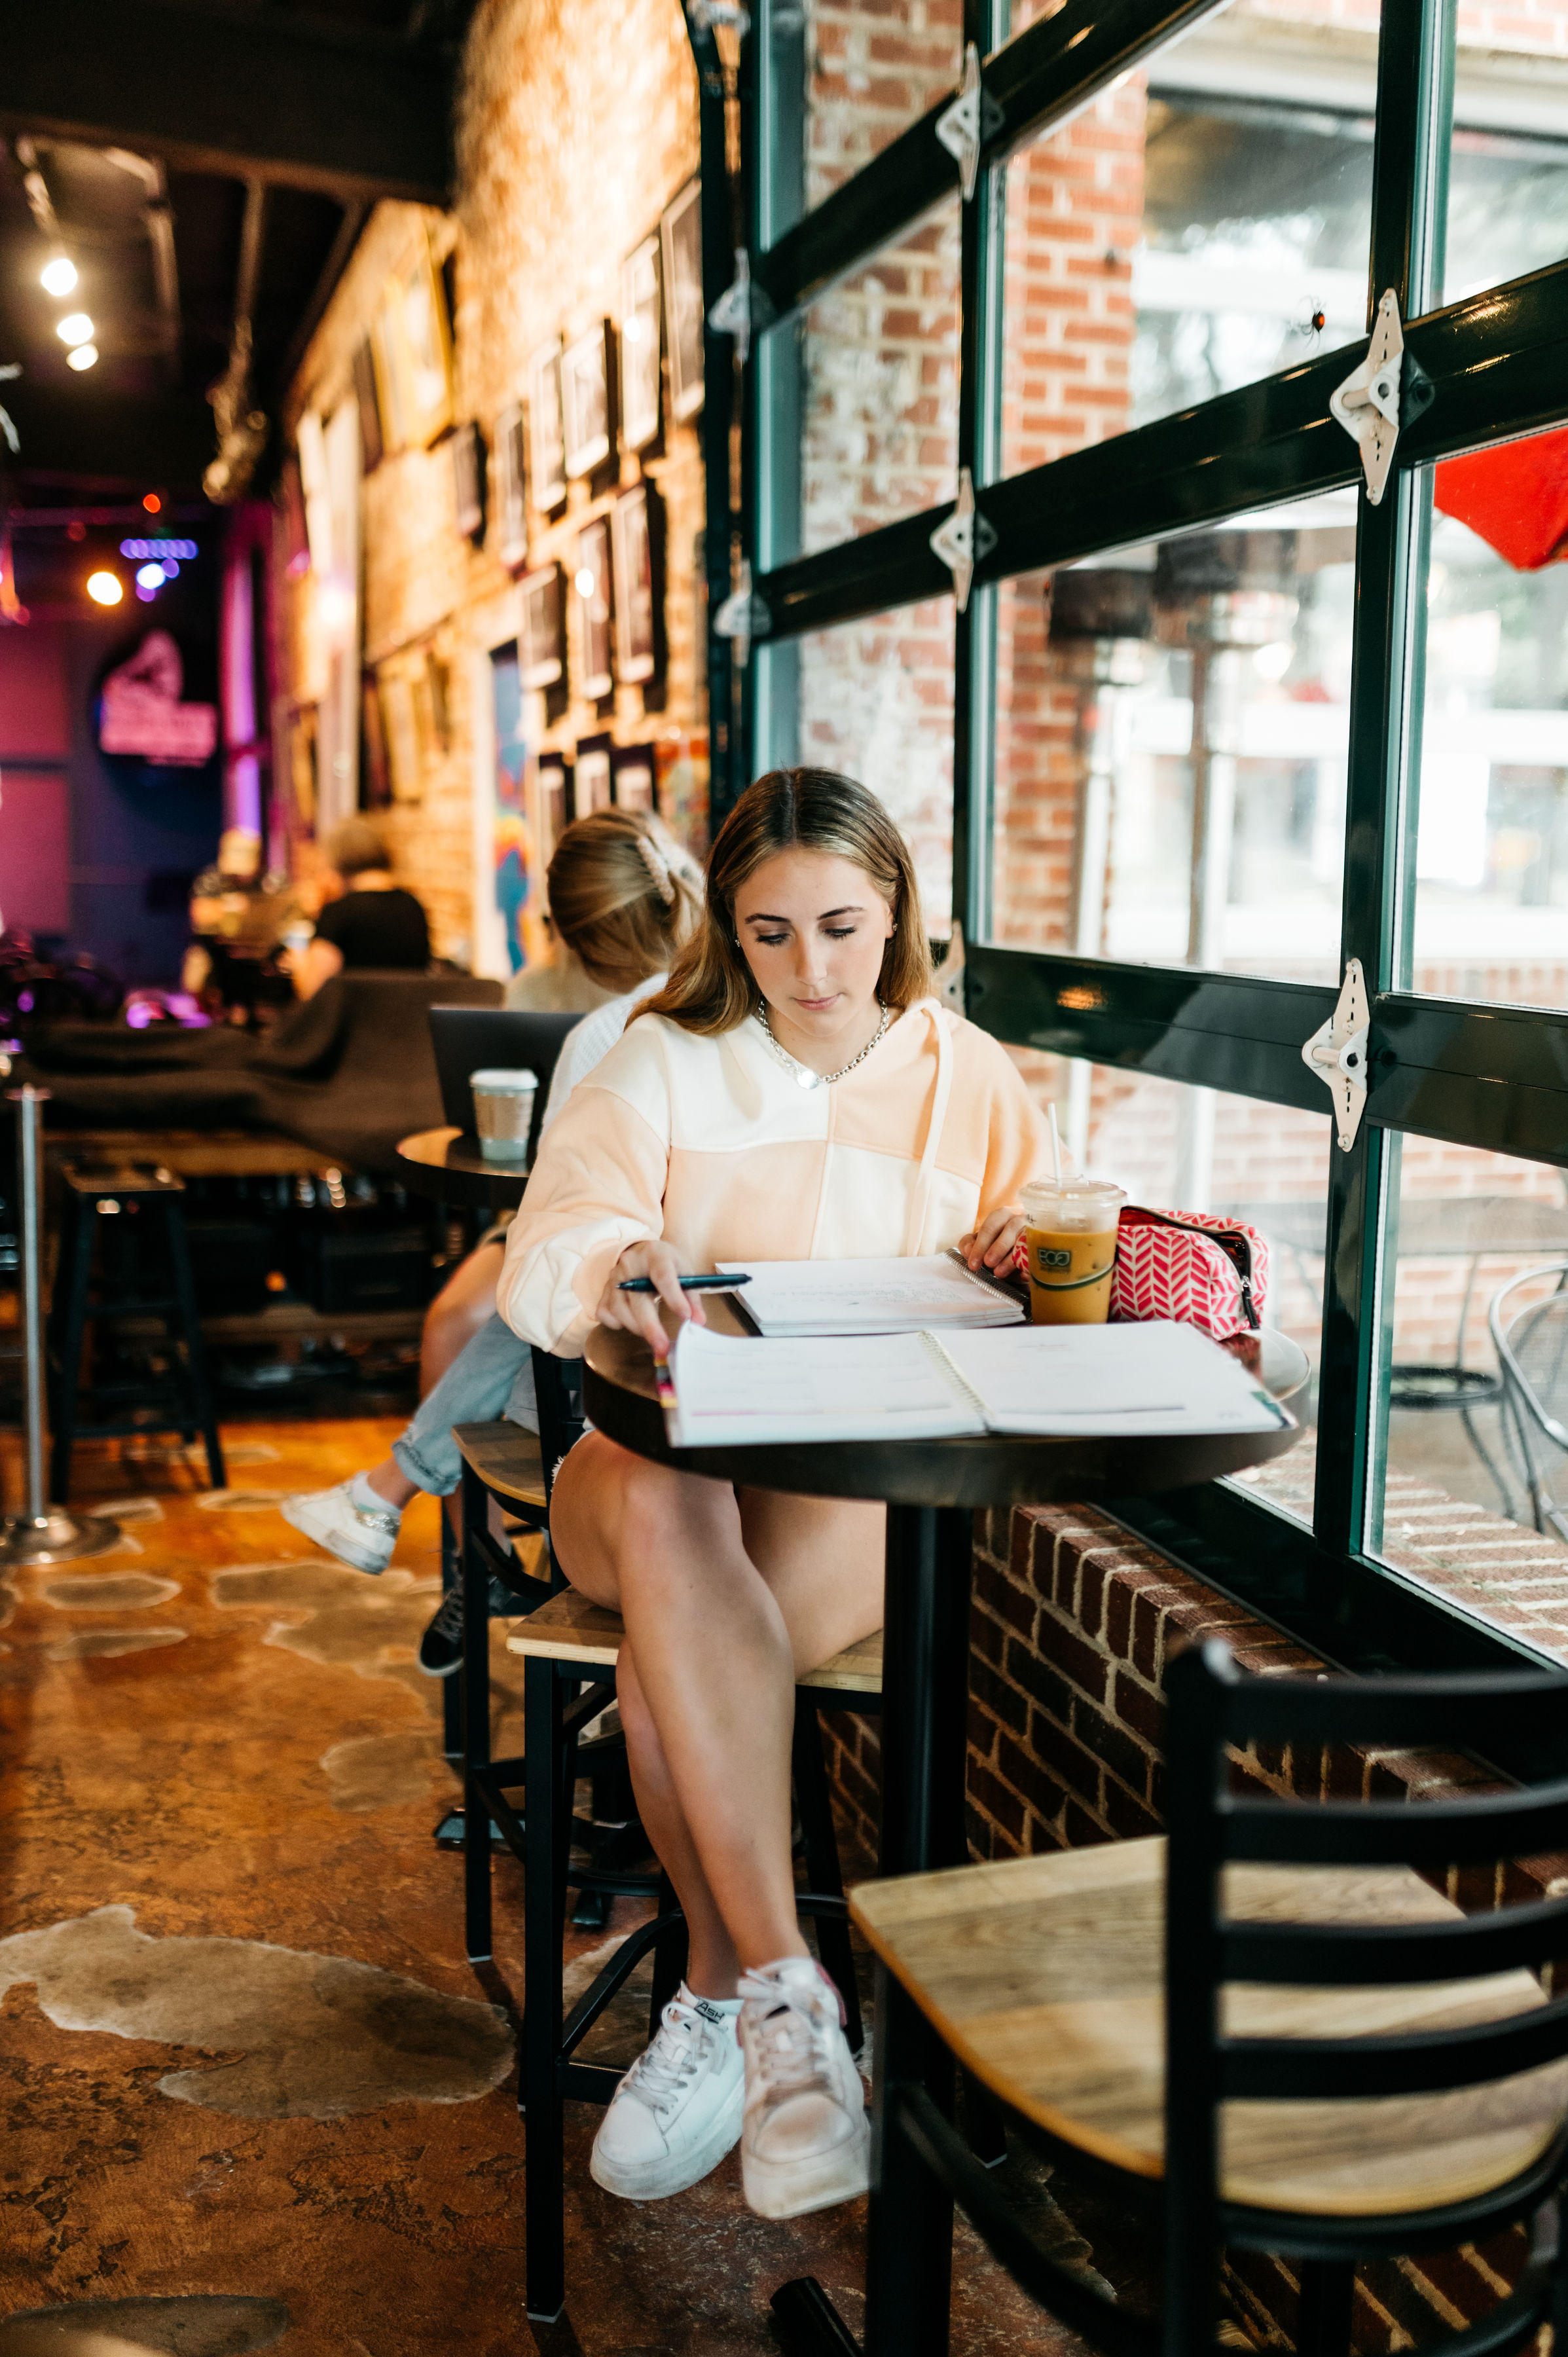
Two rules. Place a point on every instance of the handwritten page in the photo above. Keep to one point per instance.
(930, 1291)
(1151, 1376)
(853, 1388)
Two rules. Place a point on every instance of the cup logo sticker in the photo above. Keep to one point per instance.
(1051, 1257)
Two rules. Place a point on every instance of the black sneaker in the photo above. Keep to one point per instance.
(441, 1647)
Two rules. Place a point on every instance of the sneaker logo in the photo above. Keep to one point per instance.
(709, 2012)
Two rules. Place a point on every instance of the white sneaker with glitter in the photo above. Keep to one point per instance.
(805, 2137)
(350, 1532)
(677, 2111)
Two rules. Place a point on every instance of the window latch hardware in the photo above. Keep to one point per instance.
(742, 306)
(964, 127)
(963, 540)
(1338, 1054)
(1368, 404)
(744, 616)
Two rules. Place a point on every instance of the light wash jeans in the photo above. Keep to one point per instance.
(492, 1375)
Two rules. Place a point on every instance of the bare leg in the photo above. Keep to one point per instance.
(725, 1599)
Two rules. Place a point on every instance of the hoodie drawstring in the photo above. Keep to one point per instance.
(920, 1200)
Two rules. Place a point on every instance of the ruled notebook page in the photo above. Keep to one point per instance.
(870, 1297)
(729, 1391)
(1151, 1376)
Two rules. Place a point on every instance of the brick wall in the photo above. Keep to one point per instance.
(577, 123)
(1073, 1623)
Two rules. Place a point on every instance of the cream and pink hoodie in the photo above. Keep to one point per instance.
(711, 1143)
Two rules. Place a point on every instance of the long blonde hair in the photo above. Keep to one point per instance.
(710, 987)
(623, 895)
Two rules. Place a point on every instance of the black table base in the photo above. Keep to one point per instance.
(925, 1654)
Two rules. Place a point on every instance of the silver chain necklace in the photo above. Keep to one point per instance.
(802, 1074)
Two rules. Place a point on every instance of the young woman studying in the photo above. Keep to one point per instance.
(794, 1091)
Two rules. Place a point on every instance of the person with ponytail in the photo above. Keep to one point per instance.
(794, 1091)
(623, 897)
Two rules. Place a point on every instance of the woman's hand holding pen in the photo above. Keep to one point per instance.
(639, 1313)
(993, 1241)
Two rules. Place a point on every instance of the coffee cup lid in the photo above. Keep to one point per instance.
(500, 1082)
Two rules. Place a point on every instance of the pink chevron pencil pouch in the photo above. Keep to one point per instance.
(1208, 1272)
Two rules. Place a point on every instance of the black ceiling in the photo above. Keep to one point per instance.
(144, 127)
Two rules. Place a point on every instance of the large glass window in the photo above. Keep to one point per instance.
(1211, 724)
(1193, 229)
(1491, 868)
(1172, 735)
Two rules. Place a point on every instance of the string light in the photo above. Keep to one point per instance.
(85, 356)
(105, 589)
(58, 275)
(76, 327)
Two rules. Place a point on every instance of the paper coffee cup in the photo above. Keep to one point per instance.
(503, 1112)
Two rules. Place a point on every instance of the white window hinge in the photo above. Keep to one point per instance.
(1338, 1054)
(707, 13)
(973, 117)
(963, 540)
(742, 306)
(743, 617)
(1388, 389)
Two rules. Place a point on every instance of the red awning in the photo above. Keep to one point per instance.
(1514, 497)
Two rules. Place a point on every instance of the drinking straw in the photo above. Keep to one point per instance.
(1055, 1146)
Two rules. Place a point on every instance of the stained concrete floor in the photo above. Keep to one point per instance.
(253, 2094)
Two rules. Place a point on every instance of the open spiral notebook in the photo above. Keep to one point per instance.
(1155, 1377)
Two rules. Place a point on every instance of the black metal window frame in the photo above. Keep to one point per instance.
(1477, 1074)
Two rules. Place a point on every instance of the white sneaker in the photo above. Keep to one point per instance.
(677, 2111)
(805, 2139)
(350, 1532)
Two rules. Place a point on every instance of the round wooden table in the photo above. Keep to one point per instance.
(930, 1489)
(446, 1166)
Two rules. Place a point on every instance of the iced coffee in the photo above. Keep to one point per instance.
(1070, 1241)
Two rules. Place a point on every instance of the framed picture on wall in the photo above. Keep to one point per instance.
(586, 402)
(633, 777)
(555, 812)
(593, 785)
(508, 509)
(591, 581)
(641, 340)
(400, 729)
(637, 539)
(542, 642)
(544, 426)
(371, 440)
(681, 245)
(420, 339)
(468, 480)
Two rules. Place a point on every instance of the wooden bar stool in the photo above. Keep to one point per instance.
(567, 1645)
(1272, 2034)
(146, 1204)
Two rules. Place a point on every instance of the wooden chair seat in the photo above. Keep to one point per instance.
(507, 1459)
(1046, 1978)
(570, 1629)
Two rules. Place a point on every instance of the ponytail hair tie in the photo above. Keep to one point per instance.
(658, 868)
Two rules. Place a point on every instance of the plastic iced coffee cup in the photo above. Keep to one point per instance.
(1070, 1241)
(503, 1112)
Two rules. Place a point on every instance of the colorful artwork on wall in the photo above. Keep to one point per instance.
(517, 869)
(681, 783)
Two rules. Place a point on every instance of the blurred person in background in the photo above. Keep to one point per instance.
(368, 918)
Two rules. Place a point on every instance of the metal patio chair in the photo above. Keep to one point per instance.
(1531, 1344)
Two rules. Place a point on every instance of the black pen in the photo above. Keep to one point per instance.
(686, 1283)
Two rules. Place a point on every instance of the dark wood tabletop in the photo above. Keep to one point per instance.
(621, 1396)
(448, 1165)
